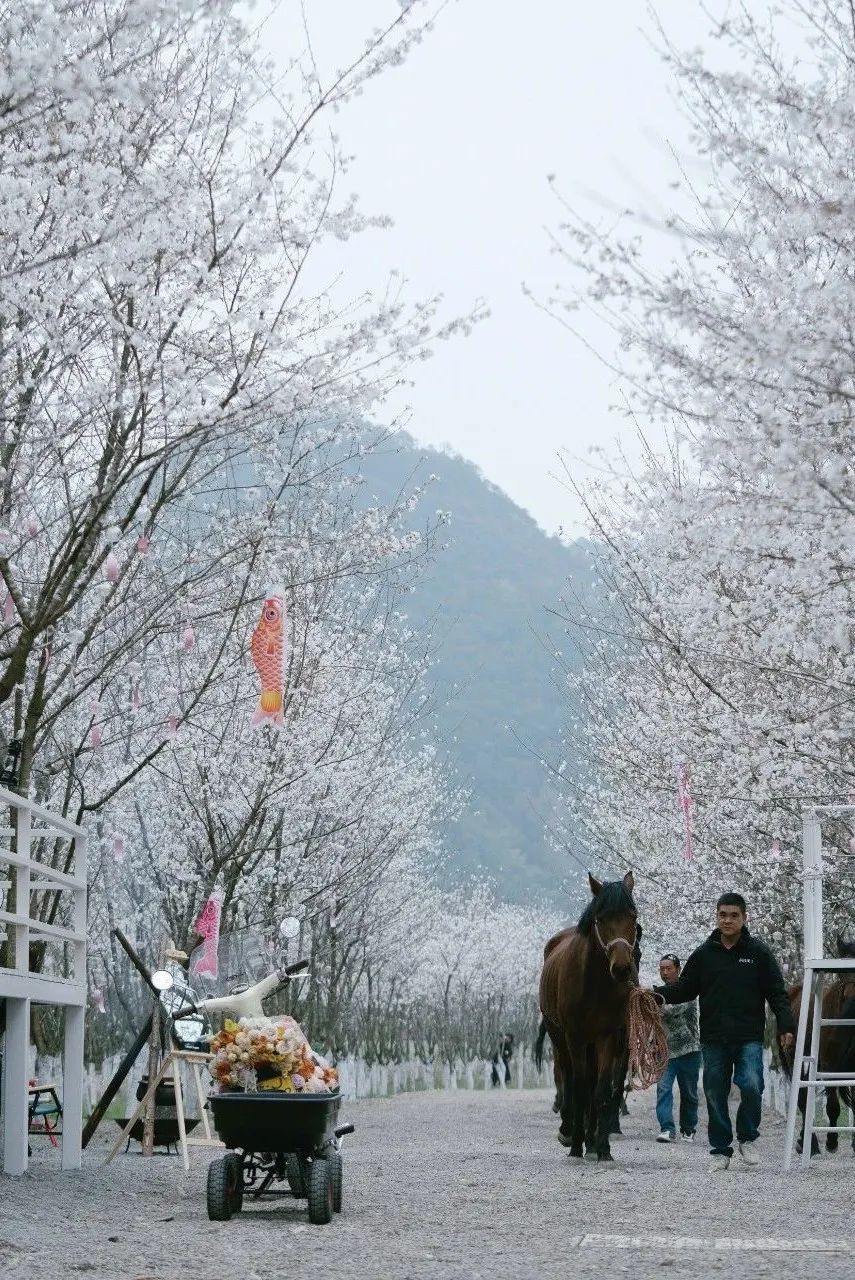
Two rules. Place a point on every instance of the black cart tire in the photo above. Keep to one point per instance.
(225, 1187)
(297, 1174)
(336, 1165)
(320, 1192)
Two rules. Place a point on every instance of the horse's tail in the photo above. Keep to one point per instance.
(538, 1045)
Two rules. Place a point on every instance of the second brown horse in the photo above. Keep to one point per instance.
(588, 972)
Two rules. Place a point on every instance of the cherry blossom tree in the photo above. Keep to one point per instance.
(719, 668)
(156, 332)
(182, 417)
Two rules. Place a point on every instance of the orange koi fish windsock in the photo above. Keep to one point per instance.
(268, 655)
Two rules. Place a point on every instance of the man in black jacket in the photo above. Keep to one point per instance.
(733, 975)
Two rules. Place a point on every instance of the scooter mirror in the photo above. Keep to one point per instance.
(161, 980)
(290, 927)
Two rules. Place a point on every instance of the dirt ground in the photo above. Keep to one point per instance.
(453, 1185)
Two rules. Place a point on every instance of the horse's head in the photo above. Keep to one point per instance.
(612, 919)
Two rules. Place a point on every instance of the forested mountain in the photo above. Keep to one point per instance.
(485, 596)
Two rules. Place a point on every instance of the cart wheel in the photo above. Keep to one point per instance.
(225, 1187)
(296, 1173)
(320, 1192)
(336, 1165)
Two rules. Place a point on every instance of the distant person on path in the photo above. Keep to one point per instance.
(733, 974)
(684, 1062)
(504, 1052)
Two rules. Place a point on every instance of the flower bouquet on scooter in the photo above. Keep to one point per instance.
(269, 1054)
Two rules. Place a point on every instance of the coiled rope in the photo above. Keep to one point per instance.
(648, 1044)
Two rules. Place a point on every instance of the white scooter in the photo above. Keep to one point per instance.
(240, 954)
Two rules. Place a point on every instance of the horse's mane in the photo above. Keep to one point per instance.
(613, 899)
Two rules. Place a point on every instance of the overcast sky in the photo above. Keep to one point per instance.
(456, 147)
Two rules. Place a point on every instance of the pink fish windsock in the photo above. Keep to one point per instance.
(207, 926)
(268, 655)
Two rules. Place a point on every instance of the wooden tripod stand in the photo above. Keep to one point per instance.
(173, 1059)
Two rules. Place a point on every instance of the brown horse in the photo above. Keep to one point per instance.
(588, 972)
(836, 1045)
(620, 1108)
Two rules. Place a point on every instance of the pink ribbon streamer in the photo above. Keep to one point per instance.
(208, 927)
(111, 568)
(685, 802)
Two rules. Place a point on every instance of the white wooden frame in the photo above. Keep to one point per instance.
(172, 1063)
(816, 967)
(21, 988)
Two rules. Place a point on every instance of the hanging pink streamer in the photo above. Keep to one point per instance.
(685, 802)
(98, 1000)
(111, 568)
(119, 848)
(208, 927)
(171, 729)
(143, 544)
(95, 737)
(9, 609)
(188, 639)
(136, 700)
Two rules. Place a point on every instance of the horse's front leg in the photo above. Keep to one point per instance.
(800, 1143)
(832, 1110)
(607, 1064)
(576, 1084)
(559, 1093)
(619, 1106)
(563, 1073)
(591, 1103)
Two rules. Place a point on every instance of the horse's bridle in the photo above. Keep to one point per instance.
(607, 946)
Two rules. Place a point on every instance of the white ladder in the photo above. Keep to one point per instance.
(813, 1079)
(817, 966)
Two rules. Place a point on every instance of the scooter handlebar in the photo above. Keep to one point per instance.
(186, 1012)
(225, 1004)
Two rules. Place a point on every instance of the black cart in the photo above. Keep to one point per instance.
(277, 1137)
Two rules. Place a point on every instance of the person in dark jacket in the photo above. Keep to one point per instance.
(733, 975)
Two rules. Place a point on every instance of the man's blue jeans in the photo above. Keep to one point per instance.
(743, 1064)
(685, 1069)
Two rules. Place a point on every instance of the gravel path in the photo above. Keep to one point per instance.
(447, 1185)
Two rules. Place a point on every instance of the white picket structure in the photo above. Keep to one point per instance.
(807, 1075)
(21, 873)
